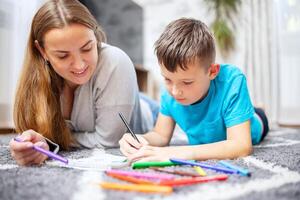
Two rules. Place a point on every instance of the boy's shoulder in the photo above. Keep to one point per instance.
(229, 72)
(164, 94)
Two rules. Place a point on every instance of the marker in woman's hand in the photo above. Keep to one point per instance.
(46, 152)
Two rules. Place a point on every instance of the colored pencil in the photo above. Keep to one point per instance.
(194, 180)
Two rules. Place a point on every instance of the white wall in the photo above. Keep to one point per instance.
(15, 18)
(159, 13)
(279, 93)
(16, 15)
(289, 36)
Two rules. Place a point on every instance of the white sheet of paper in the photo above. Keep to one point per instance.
(99, 161)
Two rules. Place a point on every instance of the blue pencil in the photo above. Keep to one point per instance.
(240, 170)
(193, 163)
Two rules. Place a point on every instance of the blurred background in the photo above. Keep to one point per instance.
(261, 37)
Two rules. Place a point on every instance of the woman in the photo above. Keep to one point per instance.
(72, 85)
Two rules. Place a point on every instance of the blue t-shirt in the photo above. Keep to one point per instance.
(227, 104)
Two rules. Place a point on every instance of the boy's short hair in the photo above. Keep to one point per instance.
(182, 42)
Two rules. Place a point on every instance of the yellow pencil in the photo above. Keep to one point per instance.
(200, 171)
(137, 187)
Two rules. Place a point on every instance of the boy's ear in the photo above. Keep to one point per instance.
(41, 50)
(213, 71)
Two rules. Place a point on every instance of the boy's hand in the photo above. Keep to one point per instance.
(151, 153)
(23, 152)
(129, 146)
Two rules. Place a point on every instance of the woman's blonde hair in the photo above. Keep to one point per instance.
(37, 101)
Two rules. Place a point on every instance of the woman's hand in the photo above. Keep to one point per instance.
(23, 152)
(129, 146)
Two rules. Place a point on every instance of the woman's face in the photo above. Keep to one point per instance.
(72, 52)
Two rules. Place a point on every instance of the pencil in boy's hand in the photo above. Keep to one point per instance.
(129, 129)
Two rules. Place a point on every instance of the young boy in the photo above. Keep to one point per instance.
(210, 102)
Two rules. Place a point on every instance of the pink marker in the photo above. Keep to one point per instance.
(141, 174)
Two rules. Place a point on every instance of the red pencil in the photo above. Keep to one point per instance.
(194, 180)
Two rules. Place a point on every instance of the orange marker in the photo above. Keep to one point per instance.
(130, 179)
(137, 187)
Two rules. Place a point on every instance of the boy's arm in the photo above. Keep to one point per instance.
(162, 132)
(238, 144)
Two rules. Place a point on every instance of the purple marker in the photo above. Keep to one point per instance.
(48, 153)
(193, 163)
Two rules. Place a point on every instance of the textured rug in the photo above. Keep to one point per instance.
(275, 167)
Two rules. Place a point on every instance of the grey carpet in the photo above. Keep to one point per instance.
(275, 167)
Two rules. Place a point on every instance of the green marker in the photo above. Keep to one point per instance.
(140, 165)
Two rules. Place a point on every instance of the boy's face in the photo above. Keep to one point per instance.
(189, 86)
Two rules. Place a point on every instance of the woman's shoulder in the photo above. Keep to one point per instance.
(112, 54)
(113, 62)
(112, 58)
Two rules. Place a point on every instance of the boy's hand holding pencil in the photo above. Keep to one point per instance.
(129, 146)
(130, 142)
